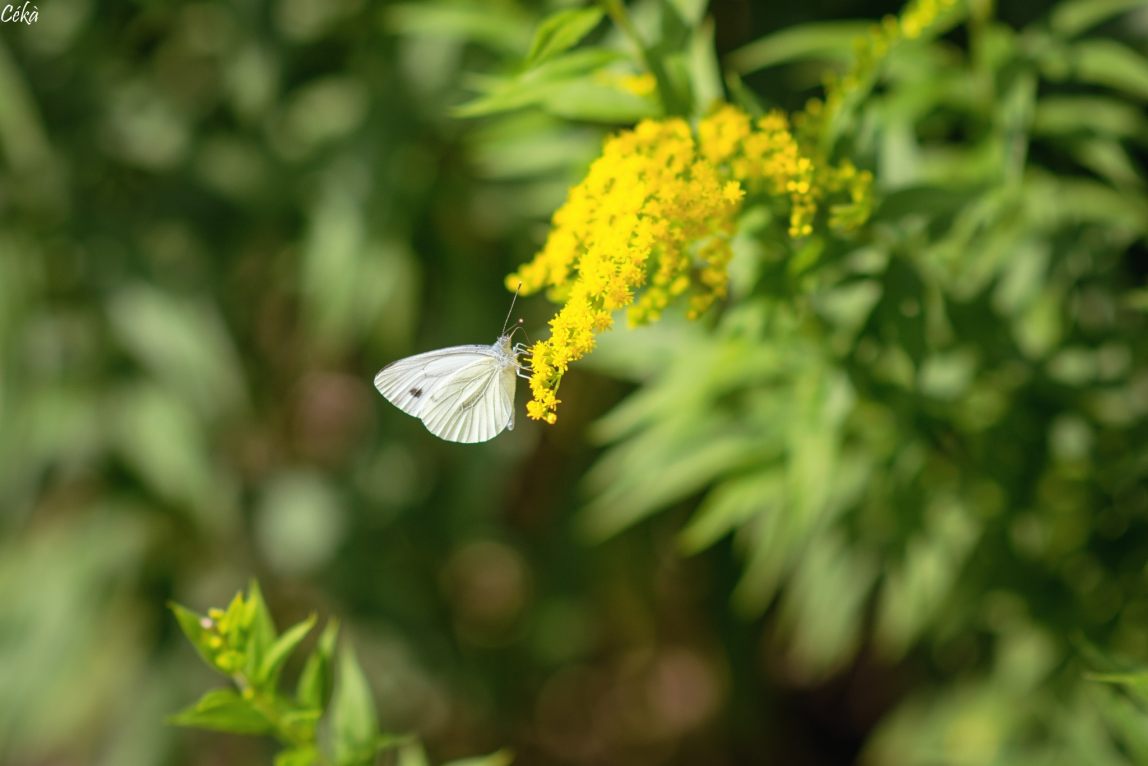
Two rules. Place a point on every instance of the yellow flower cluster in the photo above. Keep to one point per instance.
(765, 155)
(652, 221)
(651, 213)
(653, 218)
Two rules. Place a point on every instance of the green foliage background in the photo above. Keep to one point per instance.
(889, 504)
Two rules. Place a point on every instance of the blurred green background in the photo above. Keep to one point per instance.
(219, 219)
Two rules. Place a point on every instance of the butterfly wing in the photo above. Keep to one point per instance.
(408, 383)
(473, 405)
(462, 394)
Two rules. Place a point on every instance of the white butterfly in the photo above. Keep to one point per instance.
(462, 393)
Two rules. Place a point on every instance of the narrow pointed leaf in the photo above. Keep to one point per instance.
(1076, 16)
(192, 626)
(353, 723)
(223, 710)
(261, 629)
(281, 649)
(315, 681)
(831, 41)
(561, 32)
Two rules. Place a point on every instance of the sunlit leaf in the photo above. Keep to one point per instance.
(300, 725)
(631, 488)
(279, 651)
(182, 342)
(412, 755)
(730, 505)
(1076, 16)
(223, 710)
(298, 756)
(192, 626)
(537, 86)
(823, 603)
(829, 41)
(354, 729)
(561, 31)
(705, 73)
(591, 101)
(163, 442)
(260, 629)
(494, 27)
(316, 678)
(1111, 64)
(1059, 115)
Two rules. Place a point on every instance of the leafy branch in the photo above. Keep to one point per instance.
(328, 720)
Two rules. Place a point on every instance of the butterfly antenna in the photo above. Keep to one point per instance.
(519, 325)
(508, 313)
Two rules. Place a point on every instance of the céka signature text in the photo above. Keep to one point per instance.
(19, 14)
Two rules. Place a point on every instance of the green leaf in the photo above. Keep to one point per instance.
(223, 710)
(592, 101)
(412, 755)
(353, 723)
(822, 604)
(281, 649)
(704, 68)
(497, 29)
(164, 442)
(499, 758)
(829, 41)
(692, 12)
(315, 680)
(1125, 717)
(184, 343)
(731, 504)
(570, 65)
(1066, 115)
(531, 146)
(1109, 160)
(1088, 201)
(251, 620)
(1072, 18)
(261, 629)
(192, 626)
(674, 32)
(536, 85)
(1132, 680)
(1110, 64)
(234, 621)
(306, 755)
(741, 95)
(1137, 300)
(562, 31)
(662, 467)
(300, 725)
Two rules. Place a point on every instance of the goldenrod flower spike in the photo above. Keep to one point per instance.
(652, 221)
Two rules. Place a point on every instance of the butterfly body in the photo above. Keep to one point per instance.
(461, 394)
